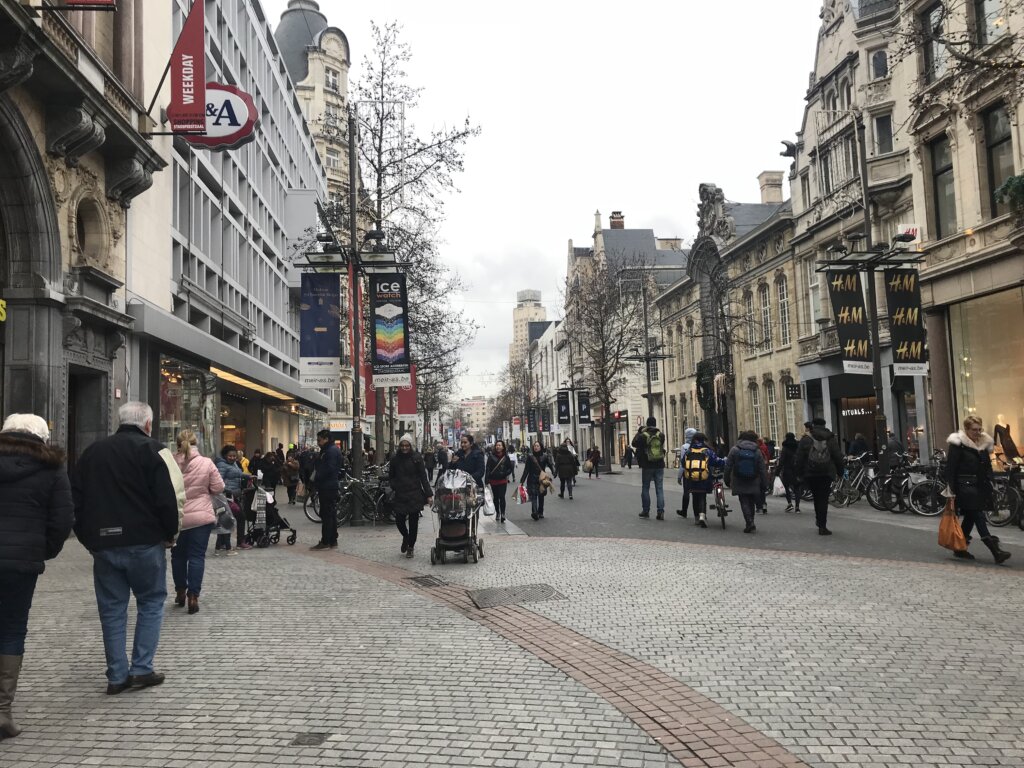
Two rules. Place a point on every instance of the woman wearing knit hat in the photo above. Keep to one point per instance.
(36, 513)
(408, 476)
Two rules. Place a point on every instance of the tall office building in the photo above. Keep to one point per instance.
(528, 310)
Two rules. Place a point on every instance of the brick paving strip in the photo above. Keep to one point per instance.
(695, 730)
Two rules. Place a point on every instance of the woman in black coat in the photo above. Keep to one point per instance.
(497, 472)
(969, 479)
(408, 477)
(36, 514)
(787, 472)
(533, 468)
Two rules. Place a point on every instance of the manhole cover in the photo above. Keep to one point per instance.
(309, 739)
(524, 593)
(426, 581)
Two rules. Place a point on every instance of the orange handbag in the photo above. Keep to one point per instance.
(951, 535)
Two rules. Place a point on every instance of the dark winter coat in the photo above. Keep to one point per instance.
(859, 447)
(703, 486)
(36, 510)
(566, 463)
(408, 476)
(128, 491)
(328, 468)
(969, 470)
(594, 457)
(471, 463)
(835, 468)
(753, 486)
(787, 461)
(271, 472)
(499, 470)
(640, 444)
(534, 464)
(430, 460)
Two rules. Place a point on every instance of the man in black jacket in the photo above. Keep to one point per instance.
(819, 461)
(325, 479)
(129, 496)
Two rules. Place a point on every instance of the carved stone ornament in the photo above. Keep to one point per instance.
(780, 243)
(785, 376)
(16, 63)
(766, 379)
(72, 133)
(762, 251)
(712, 219)
(128, 178)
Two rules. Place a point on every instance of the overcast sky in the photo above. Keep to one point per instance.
(588, 106)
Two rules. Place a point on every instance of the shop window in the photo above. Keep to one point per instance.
(782, 287)
(998, 154)
(883, 134)
(188, 400)
(987, 345)
(879, 65)
(943, 193)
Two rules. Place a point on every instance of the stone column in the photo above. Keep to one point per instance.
(124, 44)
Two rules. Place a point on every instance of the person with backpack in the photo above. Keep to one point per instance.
(681, 477)
(649, 445)
(697, 461)
(746, 474)
(819, 461)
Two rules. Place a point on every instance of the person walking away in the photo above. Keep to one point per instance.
(627, 456)
(430, 462)
(36, 513)
(279, 453)
(533, 470)
(698, 461)
(594, 457)
(762, 446)
(325, 481)
(443, 457)
(235, 479)
(290, 477)
(681, 477)
(470, 459)
(498, 470)
(787, 472)
(408, 476)
(969, 483)
(188, 556)
(819, 461)
(129, 495)
(649, 444)
(566, 466)
(859, 446)
(746, 474)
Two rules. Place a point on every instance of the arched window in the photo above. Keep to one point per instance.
(846, 97)
(879, 65)
(773, 412)
(764, 296)
(679, 350)
(755, 408)
(782, 287)
(832, 104)
(751, 320)
(671, 357)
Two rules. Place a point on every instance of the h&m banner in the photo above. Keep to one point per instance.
(389, 311)
(320, 331)
(583, 407)
(563, 407)
(187, 110)
(531, 420)
(844, 290)
(906, 322)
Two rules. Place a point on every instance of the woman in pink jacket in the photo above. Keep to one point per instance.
(188, 557)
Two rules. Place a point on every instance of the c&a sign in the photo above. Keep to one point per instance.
(231, 118)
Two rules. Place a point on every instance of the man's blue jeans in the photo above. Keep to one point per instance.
(647, 474)
(117, 573)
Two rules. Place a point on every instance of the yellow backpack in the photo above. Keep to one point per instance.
(696, 464)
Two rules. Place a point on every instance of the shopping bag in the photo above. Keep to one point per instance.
(488, 501)
(588, 466)
(522, 496)
(951, 535)
(300, 490)
(778, 489)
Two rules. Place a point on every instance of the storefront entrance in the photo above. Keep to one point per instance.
(88, 405)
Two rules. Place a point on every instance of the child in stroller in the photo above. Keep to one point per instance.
(457, 506)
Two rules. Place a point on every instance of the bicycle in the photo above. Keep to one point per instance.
(1007, 497)
(718, 491)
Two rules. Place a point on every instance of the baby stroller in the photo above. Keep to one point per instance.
(264, 523)
(457, 506)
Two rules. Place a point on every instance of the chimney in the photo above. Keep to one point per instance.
(618, 221)
(771, 186)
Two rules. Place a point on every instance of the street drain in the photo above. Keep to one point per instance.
(426, 581)
(309, 739)
(524, 593)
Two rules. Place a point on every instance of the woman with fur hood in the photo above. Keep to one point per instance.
(36, 514)
(969, 481)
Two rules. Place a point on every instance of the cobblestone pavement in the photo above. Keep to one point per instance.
(837, 660)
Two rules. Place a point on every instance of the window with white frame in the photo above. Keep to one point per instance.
(755, 408)
(813, 293)
(883, 134)
(685, 414)
(782, 287)
(748, 306)
(332, 79)
(765, 298)
(671, 363)
(773, 411)
(791, 416)
(333, 159)
(879, 64)
(652, 367)
(692, 342)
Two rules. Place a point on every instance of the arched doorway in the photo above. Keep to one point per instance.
(30, 272)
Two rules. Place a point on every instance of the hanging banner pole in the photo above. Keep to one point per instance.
(187, 110)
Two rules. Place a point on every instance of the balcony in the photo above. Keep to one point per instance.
(873, 10)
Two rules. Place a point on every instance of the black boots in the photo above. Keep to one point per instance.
(999, 555)
(10, 668)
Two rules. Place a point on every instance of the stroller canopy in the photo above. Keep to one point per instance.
(455, 480)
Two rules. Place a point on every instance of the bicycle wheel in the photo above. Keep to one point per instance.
(889, 494)
(926, 498)
(344, 509)
(1005, 503)
(311, 507)
(874, 493)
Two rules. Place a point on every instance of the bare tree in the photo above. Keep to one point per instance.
(407, 177)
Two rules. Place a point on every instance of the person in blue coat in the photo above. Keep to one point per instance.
(470, 459)
(697, 464)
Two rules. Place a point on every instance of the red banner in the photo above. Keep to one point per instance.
(187, 110)
(407, 398)
(369, 393)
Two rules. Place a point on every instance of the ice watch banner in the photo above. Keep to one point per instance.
(389, 313)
